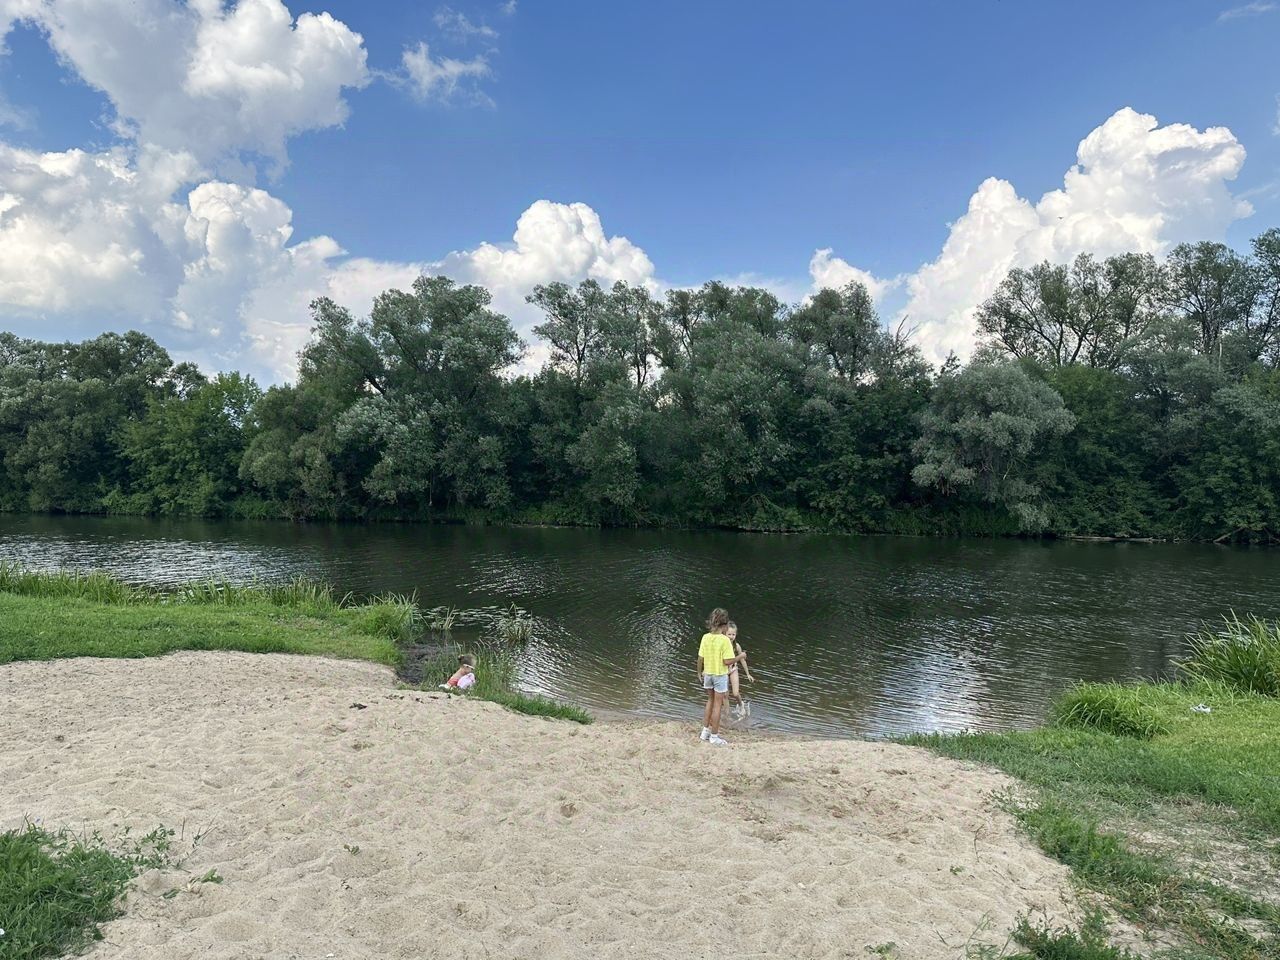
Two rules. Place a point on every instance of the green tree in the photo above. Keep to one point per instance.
(185, 453)
(576, 324)
(1090, 313)
(1227, 480)
(984, 431)
(1216, 289)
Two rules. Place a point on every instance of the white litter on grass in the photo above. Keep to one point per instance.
(1201, 708)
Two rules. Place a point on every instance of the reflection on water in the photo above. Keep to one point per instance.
(864, 636)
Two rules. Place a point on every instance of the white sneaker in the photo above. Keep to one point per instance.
(705, 735)
(717, 741)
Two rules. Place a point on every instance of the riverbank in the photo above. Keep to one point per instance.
(1172, 813)
(45, 616)
(346, 817)
(916, 521)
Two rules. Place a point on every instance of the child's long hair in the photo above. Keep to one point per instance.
(467, 659)
(718, 620)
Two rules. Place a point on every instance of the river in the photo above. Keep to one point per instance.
(848, 636)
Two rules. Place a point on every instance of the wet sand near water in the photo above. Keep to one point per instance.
(430, 826)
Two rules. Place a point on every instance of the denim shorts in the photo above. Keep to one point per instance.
(717, 682)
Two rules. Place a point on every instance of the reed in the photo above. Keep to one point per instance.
(1115, 708)
(94, 586)
(514, 626)
(1244, 654)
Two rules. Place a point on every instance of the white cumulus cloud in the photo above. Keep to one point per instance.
(88, 230)
(1136, 186)
(246, 272)
(828, 270)
(205, 78)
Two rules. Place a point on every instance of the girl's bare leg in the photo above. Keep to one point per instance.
(716, 705)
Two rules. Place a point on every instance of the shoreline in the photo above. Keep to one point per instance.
(1225, 539)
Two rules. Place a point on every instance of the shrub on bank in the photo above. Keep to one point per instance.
(1112, 708)
(1244, 654)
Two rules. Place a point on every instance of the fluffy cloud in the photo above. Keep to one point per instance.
(828, 270)
(84, 232)
(1136, 186)
(442, 78)
(93, 230)
(552, 241)
(138, 232)
(202, 78)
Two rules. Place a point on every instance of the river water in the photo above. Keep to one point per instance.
(848, 636)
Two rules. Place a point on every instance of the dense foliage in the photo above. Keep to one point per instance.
(1123, 397)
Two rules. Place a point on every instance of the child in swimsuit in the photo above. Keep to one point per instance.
(464, 678)
(742, 709)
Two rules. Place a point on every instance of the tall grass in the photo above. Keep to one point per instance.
(1245, 654)
(390, 615)
(1115, 708)
(93, 586)
(515, 626)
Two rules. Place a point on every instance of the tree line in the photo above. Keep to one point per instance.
(1125, 396)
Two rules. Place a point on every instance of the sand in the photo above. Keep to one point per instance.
(425, 826)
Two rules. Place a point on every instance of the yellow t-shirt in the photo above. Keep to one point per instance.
(714, 650)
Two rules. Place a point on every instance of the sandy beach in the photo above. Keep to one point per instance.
(428, 826)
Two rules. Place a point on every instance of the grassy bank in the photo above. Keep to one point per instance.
(44, 616)
(1169, 812)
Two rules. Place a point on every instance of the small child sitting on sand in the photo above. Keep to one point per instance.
(464, 678)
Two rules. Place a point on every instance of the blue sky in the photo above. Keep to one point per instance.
(720, 139)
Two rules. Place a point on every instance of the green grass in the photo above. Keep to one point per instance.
(57, 888)
(1087, 942)
(44, 616)
(1176, 820)
(515, 626)
(1243, 654)
(496, 682)
(391, 615)
(1117, 708)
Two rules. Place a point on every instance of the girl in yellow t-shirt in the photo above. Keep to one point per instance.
(715, 657)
